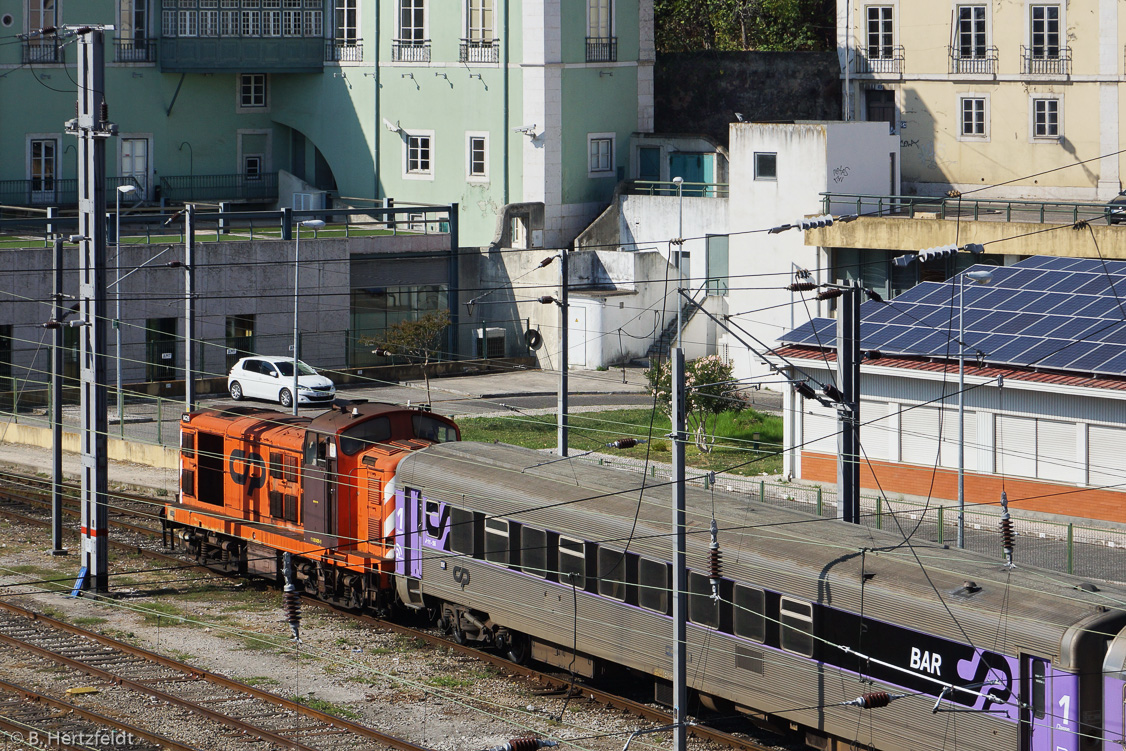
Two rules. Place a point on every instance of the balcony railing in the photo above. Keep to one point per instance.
(410, 50)
(344, 51)
(886, 60)
(985, 63)
(601, 49)
(1041, 62)
(479, 51)
(43, 51)
(50, 191)
(260, 187)
(134, 50)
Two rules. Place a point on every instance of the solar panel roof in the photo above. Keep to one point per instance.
(1043, 312)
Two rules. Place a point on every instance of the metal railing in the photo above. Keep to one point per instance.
(985, 63)
(410, 50)
(50, 191)
(479, 51)
(668, 188)
(888, 60)
(601, 49)
(344, 51)
(1040, 62)
(43, 50)
(994, 209)
(241, 187)
(137, 50)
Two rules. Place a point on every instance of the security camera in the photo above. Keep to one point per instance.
(394, 127)
(528, 130)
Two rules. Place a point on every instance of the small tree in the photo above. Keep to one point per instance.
(710, 392)
(419, 340)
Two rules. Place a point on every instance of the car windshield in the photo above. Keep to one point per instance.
(286, 368)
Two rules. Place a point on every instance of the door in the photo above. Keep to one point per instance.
(880, 105)
(1050, 720)
(43, 163)
(160, 340)
(576, 352)
(318, 486)
(649, 163)
(135, 164)
(691, 168)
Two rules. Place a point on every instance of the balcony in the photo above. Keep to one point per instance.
(227, 54)
(43, 50)
(49, 191)
(344, 51)
(137, 50)
(479, 51)
(982, 62)
(245, 188)
(410, 50)
(880, 60)
(601, 49)
(1045, 61)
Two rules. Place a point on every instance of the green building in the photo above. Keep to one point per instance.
(519, 111)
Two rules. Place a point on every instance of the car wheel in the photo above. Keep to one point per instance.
(286, 398)
(236, 390)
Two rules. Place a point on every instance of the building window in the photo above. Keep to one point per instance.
(346, 39)
(881, 32)
(42, 155)
(419, 154)
(252, 90)
(6, 358)
(1045, 31)
(971, 31)
(601, 44)
(411, 46)
(252, 166)
(1046, 118)
(480, 43)
(717, 265)
(766, 166)
(46, 48)
(974, 121)
(601, 150)
(477, 157)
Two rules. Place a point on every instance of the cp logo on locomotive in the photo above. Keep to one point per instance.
(248, 477)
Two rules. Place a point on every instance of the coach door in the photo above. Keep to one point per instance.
(318, 490)
(1049, 720)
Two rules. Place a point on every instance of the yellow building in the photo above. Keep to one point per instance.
(1024, 95)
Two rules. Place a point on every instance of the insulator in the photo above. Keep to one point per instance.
(873, 295)
(523, 744)
(714, 561)
(874, 700)
(547, 299)
(829, 294)
(1008, 537)
(805, 390)
(291, 606)
(801, 286)
(104, 111)
(623, 443)
(832, 392)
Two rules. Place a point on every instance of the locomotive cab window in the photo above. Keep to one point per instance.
(362, 436)
(430, 428)
(496, 541)
(750, 613)
(461, 531)
(702, 608)
(572, 562)
(653, 583)
(275, 465)
(611, 573)
(533, 551)
(796, 619)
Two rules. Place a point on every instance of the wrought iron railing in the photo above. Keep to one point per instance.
(43, 50)
(1041, 62)
(479, 51)
(134, 50)
(601, 49)
(344, 51)
(985, 62)
(240, 187)
(882, 60)
(50, 191)
(410, 50)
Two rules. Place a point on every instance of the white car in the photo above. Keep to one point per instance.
(271, 378)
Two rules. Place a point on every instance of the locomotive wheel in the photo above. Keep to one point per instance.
(518, 648)
(236, 390)
(285, 398)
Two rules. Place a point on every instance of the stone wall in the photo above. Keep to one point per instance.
(700, 92)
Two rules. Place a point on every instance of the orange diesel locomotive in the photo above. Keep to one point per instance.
(256, 484)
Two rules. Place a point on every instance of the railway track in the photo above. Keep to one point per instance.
(218, 704)
(31, 512)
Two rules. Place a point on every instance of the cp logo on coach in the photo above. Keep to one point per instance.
(461, 576)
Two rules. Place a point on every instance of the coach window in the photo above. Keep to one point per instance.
(496, 541)
(653, 580)
(461, 531)
(533, 551)
(611, 573)
(703, 609)
(797, 626)
(750, 613)
(572, 562)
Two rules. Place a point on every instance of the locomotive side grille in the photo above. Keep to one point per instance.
(375, 507)
(748, 659)
(276, 507)
(290, 507)
(187, 482)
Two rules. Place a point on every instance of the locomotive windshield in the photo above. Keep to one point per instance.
(432, 429)
(362, 436)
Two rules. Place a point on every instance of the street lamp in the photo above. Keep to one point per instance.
(679, 183)
(977, 277)
(313, 224)
(121, 191)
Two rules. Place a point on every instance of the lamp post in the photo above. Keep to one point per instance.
(977, 277)
(313, 224)
(679, 182)
(121, 191)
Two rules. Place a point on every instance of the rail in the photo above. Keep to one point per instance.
(669, 188)
(993, 209)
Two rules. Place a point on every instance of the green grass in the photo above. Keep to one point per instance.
(261, 680)
(89, 620)
(326, 706)
(734, 448)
